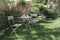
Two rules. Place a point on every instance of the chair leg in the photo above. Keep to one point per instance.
(14, 31)
(29, 26)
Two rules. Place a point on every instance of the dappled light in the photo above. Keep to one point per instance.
(29, 20)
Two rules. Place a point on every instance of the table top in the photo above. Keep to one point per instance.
(25, 17)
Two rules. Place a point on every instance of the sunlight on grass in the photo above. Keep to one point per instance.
(33, 32)
(38, 39)
(54, 24)
(58, 38)
(18, 37)
(1, 33)
(53, 37)
(34, 36)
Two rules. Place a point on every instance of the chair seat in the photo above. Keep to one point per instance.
(17, 25)
(14, 28)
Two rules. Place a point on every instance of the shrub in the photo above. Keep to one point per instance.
(50, 14)
(39, 8)
(36, 8)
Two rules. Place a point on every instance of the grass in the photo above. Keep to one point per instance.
(52, 24)
(37, 32)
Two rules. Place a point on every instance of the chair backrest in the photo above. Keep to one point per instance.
(11, 20)
(33, 15)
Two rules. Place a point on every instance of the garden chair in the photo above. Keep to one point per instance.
(33, 15)
(34, 19)
(12, 24)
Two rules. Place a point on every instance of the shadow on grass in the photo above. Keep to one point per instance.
(37, 32)
(6, 34)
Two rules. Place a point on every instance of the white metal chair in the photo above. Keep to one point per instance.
(13, 25)
(33, 15)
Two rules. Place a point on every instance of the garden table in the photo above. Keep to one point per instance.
(26, 19)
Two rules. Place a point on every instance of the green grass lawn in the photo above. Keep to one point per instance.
(52, 24)
(40, 31)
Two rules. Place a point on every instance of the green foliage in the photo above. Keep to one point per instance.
(23, 2)
(50, 13)
(34, 10)
(1, 23)
(58, 8)
(36, 7)
(39, 8)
